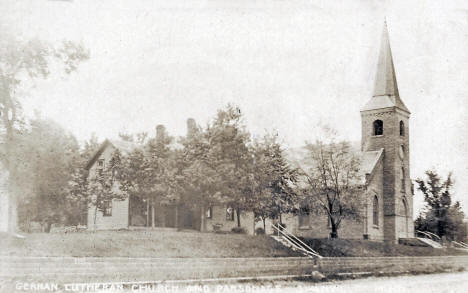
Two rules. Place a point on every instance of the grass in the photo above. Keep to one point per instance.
(191, 244)
(362, 248)
(143, 244)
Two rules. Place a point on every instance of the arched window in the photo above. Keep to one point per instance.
(375, 211)
(402, 128)
(403, 181)
(404, 208)
(378, 127)
(405, 214)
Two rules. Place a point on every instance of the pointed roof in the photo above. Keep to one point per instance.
(386, 88)
(124, 147)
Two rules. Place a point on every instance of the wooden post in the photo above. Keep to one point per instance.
(152, 215)
(177, 217)
(202, 219)
(147, 213)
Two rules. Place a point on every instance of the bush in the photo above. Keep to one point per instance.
(238, 230)
(259, 231)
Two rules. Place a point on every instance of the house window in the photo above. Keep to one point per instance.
(375, 211)
(402, 128)
(209, 213)
(230, 214)
(304, 217)
(403, 181)
(378, 127)
(100, 167)
(304, 220)
(107, 208)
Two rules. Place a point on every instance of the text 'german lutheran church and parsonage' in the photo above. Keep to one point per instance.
(386, 214)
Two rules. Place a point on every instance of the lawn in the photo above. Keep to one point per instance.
(143, 244)
(156, 243)
(344, 247)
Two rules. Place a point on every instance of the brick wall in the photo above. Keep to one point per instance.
(393, 191)
(134, 269)
(375, 188)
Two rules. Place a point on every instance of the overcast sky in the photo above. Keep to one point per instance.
(289, 65)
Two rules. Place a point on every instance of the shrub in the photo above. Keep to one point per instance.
(238, 230)
(259, 231)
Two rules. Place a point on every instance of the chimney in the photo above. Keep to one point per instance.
(160, 132)
(191, 126)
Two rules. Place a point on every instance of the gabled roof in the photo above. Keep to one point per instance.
(386, 92)
(124, 147)
(369, 161)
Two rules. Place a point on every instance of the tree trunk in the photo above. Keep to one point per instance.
(95, 217)
(202, 219)
(238, 217)
(264, 225)
(334, 229)
(253, 226)
(10, 166)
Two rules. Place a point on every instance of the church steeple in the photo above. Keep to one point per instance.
(385, 87)
(385, 128)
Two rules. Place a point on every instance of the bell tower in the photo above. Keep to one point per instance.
(384, 122)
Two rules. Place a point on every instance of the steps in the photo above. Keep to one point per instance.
(430, 242)
(291, 241)
(419, 241)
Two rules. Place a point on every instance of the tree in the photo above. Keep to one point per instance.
(199, 181)
(333, 182)
(21, 61)
(46, 157)
(440, 215)
(150, 172)
(229, 155)
(99, 188)
(274, 190)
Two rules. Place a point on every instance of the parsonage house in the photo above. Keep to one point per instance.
(387, 188)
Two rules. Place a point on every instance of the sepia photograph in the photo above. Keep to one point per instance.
(233, 146)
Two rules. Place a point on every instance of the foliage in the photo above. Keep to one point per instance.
(238, 230)
(333, 182)
(150, 171)
(259, 231)
(274, 190)
(216, 162)
(440, 215)
(46, 159)
(22, 61)
(230, 158)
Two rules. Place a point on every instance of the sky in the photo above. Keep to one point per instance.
(290, 65)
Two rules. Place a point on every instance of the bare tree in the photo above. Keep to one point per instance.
(333, 182)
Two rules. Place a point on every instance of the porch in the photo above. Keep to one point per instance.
(143, 214)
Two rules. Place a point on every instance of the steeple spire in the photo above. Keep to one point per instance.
(385, 88)
(385, 81)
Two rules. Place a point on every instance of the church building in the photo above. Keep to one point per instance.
(388, 210)
(387, 213)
